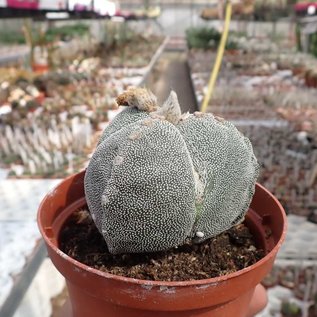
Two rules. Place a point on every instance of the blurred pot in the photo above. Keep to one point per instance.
(40, 69)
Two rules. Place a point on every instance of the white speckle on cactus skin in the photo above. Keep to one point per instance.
(185, 116)
(105, 200)
(199, 114)
(220, 119)
(135, 135)
(118, 160)
(187, 176)
(147, 122)
(155, 115)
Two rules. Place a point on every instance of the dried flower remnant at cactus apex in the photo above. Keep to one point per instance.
(158, 178)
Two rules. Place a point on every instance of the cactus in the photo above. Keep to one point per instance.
(159, 178)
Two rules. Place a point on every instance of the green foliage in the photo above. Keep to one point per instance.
(231, 45)
(117, 34)
(290, 309)
(11, 37)
(238, 34)
(66, 32)
(205, 38)
(46, 39)
(202, 37)
(312, 48)
(36, 36)
(298, 38)
(313, 44)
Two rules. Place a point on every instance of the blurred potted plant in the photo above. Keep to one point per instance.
(38, 49)
(312, 311)
(208, 38)
(202, 37)
(288, 277)
(290, 309)
(272, 278)
(42, 43)
(157, 180)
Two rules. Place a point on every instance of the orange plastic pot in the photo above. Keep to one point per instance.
(99, 294)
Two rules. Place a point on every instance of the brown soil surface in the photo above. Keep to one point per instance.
(231, 251)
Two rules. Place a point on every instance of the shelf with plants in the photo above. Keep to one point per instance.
(50, 121)
(288, 161)
(292, 290)
(124, 48)
(266, 95)
(271, 10)
(253, 76)
(49, 124)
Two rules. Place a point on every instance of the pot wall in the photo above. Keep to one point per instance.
(237, 307)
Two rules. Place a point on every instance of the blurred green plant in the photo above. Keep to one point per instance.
(66, 32)
(202, 37)
(290, 309)
(206, 38)
(313, 44)
(12, 37)
(117, 33)
(298, 38)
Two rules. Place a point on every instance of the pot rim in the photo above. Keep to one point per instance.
(119, 278)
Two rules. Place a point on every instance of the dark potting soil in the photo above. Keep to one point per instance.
(230, 251)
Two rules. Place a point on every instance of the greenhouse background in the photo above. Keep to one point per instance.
(63, 63)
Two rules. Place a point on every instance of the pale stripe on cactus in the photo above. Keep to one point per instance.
(159, 178)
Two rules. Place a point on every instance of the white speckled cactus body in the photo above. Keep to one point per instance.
(158, 178)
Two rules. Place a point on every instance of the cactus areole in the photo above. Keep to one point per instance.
(159, 177)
